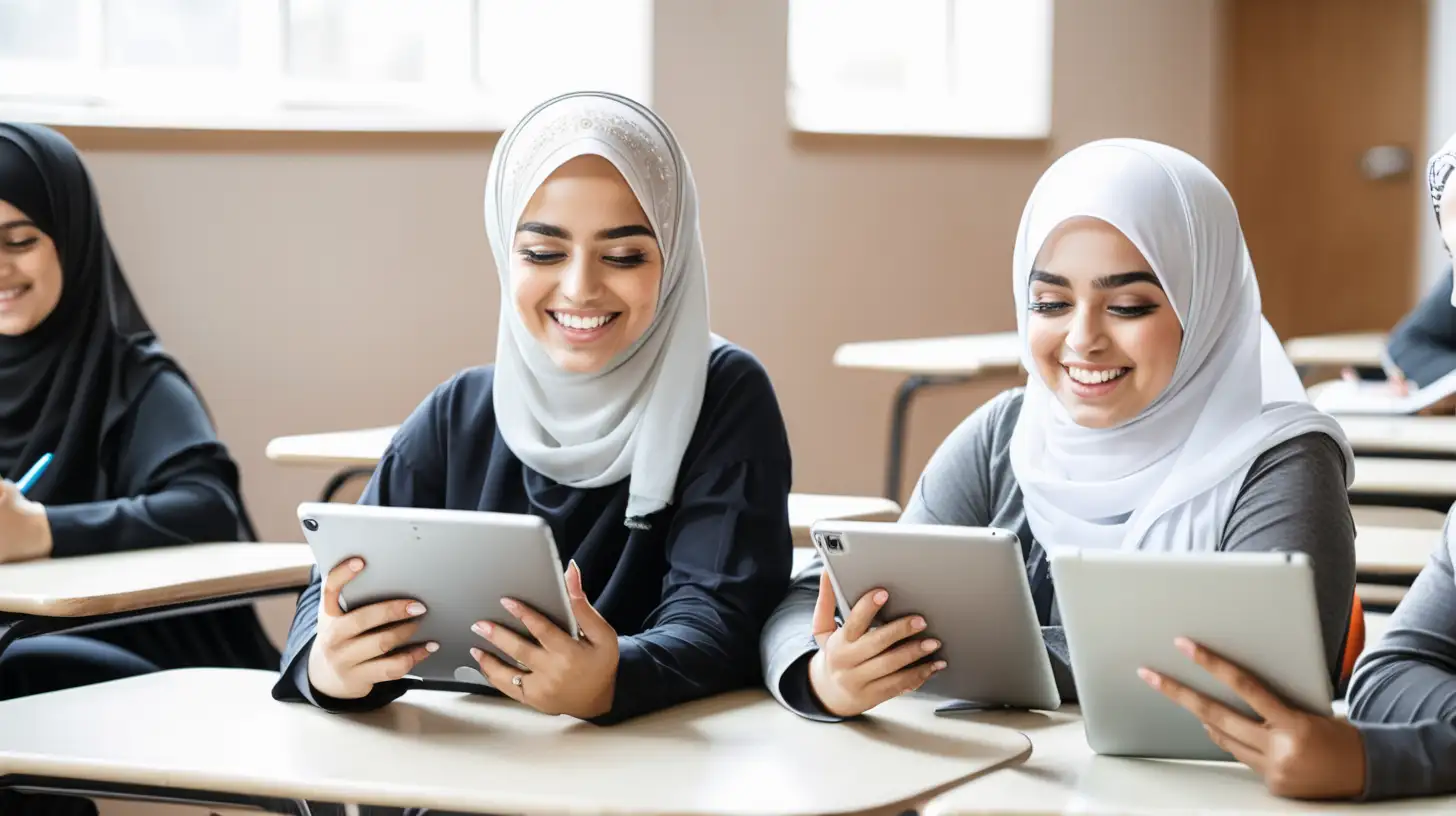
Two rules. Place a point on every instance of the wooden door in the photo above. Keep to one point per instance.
(1310, 86)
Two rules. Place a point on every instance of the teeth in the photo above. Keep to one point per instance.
(578, 322)
(12, 294)
(1087, 376)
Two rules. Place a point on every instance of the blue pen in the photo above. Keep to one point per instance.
(33, 475)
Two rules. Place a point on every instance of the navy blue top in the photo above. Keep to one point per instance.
(687, 597)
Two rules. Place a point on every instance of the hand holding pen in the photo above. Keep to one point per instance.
(25, 532)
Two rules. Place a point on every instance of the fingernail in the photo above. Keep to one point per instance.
(938, 665)
(511, 606)
(356, 564)
(1185, 646)
(929, 645)
(1149, 677)
(415, 608)
(917, 623)
(432, 647)
(881, 597)
(483, 628)
(476, 653)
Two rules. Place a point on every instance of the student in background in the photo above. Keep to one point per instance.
(136, 461)
(655, 451)
(1421, 348)
(1400, 739)
(1144, 424)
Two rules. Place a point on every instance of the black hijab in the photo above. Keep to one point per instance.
(66, 384)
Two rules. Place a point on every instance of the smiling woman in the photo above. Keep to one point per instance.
(655, 451)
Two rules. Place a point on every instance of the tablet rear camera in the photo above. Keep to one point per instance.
(310, 525)
(833, 543)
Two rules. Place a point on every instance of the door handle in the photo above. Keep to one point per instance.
(1384, 162)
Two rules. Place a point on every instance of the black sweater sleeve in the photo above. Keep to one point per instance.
(174, 481)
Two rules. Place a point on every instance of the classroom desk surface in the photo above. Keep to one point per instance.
(1400, 434)
(740, 753)
(1361, 349)
(1433, 479)
(1393, 551)
(1064, 776)
(964, 355)
(361, 448)
(141, 579)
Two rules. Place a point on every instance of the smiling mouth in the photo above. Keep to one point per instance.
(581, 323)
(13, 293)
(1093, 376)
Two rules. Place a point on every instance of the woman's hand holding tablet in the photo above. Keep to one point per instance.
(858, 667)
(1300, 755)
(354, 650)
(564, 675)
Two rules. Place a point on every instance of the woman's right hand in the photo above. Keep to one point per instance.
(858, 667)
(352, 651)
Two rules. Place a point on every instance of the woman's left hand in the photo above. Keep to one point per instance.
(1299, 755)
(565, 675)
(25, 532)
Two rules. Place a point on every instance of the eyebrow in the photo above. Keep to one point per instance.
(553, 231)
(13, 224)
(1116, 281)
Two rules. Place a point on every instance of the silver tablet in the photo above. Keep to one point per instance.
(1122, 611)
(458, 563)
(969, 583)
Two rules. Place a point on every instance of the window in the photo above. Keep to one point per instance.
(314, 64)
(965, 68)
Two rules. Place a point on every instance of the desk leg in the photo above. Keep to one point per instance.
(343, 477)
(899, 413)
(151, 793)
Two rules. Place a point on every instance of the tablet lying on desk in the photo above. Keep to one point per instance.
(1122, 611)
(459, 564)
(970, 585)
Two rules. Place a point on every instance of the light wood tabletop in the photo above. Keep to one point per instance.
(964, 356)
(112, 583)
(1393, 551)
(1411, 478)
(1410, 517)
(360, 448)
(741, 753)
(1064, 776)
(807, 508)
(1361, 349)
(1400, 434)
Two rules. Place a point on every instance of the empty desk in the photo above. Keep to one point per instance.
(926, 362)
(1427, 483)
(94, 591)
(740, 753)
(1357, 349)
(1400, 436)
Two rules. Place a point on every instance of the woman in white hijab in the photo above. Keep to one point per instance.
(1160, 414)
(655, 451)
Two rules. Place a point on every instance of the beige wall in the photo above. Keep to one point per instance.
(309, 289)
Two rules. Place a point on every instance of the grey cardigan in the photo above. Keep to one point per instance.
(1293, 499)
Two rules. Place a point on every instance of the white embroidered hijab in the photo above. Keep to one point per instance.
(1167, 479)
(634, 418)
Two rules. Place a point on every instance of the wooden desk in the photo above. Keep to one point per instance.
(91, 592)
(928, 362)
(807, 508)
(1393, 552)
(1064, 776)
(1427, 483)
(736, 754)
(1361, 350)
(1400, 436)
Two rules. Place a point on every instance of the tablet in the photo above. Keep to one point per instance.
(458, 563)
(1122, 610)
(970, 585)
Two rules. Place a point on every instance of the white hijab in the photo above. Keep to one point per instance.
(633, 418)
(1167, 479)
